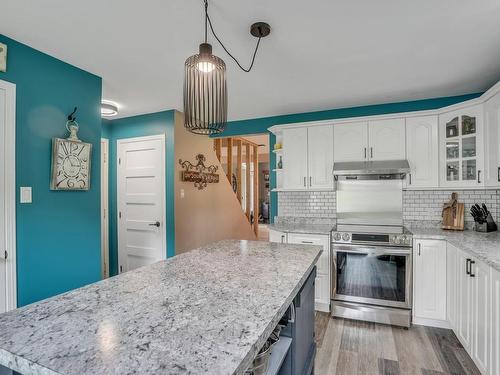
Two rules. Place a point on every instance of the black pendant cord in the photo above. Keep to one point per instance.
(207, 18)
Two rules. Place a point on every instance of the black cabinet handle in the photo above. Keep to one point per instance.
(498, 174)
(471, 263)
(410, 178)
(498, 168)
(371, 152)
(156, 224)
(478, 177)
(467, 264)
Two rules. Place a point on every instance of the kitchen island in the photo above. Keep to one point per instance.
(208, 311)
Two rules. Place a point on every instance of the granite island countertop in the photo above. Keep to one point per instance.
(484, 246)
(208, 311)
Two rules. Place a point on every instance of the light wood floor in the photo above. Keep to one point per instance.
(346, 347)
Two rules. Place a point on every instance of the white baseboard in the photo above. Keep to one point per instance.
(322, 306)
(431, 322)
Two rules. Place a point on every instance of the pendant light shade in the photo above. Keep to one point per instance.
(205, 92)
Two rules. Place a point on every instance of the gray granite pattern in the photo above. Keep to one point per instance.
(484, 246)
(305, 228)
(207, 311)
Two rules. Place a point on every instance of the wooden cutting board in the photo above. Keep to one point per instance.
(454, 220)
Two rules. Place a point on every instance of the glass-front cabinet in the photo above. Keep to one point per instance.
(461, 143)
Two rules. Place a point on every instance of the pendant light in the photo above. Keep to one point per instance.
(205, 88)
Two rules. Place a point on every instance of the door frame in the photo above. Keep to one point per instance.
(10, 191)
(104, 208)
(161, 137)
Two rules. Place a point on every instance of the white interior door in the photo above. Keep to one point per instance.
(104, 208)
(141, 201)
(3, 263)
(8, 282)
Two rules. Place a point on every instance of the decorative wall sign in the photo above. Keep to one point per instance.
(70, 160)
(3, 57)
(199, 173)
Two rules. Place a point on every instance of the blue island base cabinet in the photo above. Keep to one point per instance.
(300, 358)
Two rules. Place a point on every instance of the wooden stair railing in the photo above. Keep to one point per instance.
(251, 156)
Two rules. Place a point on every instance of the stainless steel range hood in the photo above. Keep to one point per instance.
(373, 170)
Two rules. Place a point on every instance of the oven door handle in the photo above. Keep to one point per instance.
(371, 250)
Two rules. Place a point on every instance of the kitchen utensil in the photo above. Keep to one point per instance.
(453, 214)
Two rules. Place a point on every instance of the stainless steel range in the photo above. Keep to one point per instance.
(371, 250)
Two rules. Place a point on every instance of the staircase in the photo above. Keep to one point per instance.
(240, 160)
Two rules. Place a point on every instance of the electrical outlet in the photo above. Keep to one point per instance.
(3, 57)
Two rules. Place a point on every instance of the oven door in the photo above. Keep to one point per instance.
(374, 275)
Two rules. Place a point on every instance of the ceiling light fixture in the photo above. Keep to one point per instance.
(205, 88)
(108, 109)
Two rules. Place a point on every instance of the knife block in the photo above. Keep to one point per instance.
(489, 226)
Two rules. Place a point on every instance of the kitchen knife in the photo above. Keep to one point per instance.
(480, 213)
(485, 209)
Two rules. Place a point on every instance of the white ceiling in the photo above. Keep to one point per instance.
(321, 54)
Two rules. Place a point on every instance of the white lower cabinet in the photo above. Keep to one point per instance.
(429, 283)
(480, 274)
(494, 351)
(471, 305)
(322, 284)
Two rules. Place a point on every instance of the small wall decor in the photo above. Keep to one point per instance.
(3, 57)
(70, 160)
(199, 173)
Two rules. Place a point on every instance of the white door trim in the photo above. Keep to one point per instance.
(10, 191)
(104, 207)
(162, 138)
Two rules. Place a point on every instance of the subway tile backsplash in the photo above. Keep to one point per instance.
(418, 205)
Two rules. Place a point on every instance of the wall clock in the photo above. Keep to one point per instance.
(70, 160)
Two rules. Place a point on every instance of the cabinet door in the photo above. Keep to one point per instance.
(430, 280)
(350, 141)
(495, 322)
(422, 145)
(461, 148)
(322, 298)
(295, 158)
(464, 310)
(492, 142)
(277, 236)
(387, 139)
(480, 277)
(320, 157)
(452, 270)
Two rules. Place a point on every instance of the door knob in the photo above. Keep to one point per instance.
(156, 224)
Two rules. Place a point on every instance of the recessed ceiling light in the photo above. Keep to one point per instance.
(108, 108)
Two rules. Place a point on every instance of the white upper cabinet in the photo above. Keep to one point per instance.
(461, 147)
(295, 158)
(308, 157)
(422, 151)
(320, 156)
(350, 141)
(492, 141)
(387, 139)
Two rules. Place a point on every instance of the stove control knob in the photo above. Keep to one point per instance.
(397, 240)
(346, 237)
(404, 240)
(337, 236)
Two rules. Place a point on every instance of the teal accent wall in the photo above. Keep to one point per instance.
(140, 126)
(260, 125)
(58, 235)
